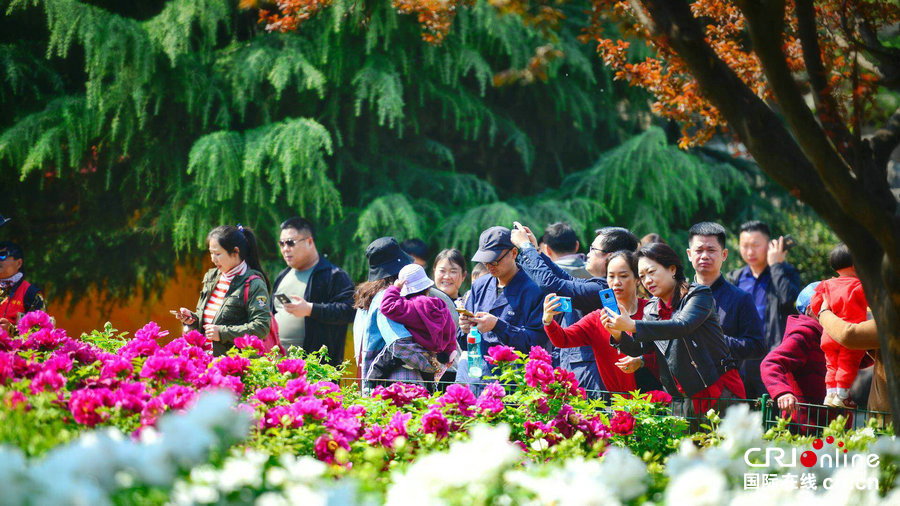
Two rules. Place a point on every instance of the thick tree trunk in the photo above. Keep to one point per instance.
(883, 294)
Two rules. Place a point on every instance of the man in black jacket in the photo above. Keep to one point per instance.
(321, 294)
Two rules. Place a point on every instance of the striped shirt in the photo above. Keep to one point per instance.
(218, 295)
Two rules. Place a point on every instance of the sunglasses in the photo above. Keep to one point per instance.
(4, 256)
(290, 243)
(496, 262)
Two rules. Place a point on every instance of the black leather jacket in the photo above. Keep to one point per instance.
(690, 346)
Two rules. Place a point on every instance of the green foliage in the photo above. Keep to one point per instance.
(130, 130)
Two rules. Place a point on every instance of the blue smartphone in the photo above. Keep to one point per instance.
(565, 304)
(608, 299)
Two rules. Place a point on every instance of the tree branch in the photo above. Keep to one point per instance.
(827, 109)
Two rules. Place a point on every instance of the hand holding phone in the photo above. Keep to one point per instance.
(284, 299)
(466, 312)
(789, 242)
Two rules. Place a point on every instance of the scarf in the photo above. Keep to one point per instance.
(6, 284)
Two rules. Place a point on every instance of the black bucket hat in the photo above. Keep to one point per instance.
(385, 258)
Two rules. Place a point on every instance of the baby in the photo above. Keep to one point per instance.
(431, 349)
(846, 300)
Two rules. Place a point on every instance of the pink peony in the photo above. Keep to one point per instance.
(538, 374)
(131, 396)
(658, 396)
(459, 396)
(248, 341)
(326, 446)
(150, 331)
(540, 406)
(195, 338)
(297, 387)
(48, 379)
(622, 423)
(139, 348)
(277, 416)
(46, 339)
(178, 396)
(344, 424)
(232, 366)
(15, 399)
(501, 354)
(34, 319)
(295, 366)
(162, 368)
(538, 353)
(267, 395)
(568, 380)
(434, 422)
(491, 399)
(311, 407)
(594, 429)
(152, 411)
(401, 394)
(116, 367)
(87, 405)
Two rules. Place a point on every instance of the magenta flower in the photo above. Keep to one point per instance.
(48, 379)
(195, 338)
(232, 383)
(248, 341)
(150, 331)
(569, 381)
(232, 366)
(434, 422)
(491, 399)
(344, 424)
(295, 366)
(152, 411)
(7, 342)
(46, 339)
(267, 395)
(81, 352)
(295, 388)
(116, 367)
(87, 405)
(15, 399)
(131, 396)
(538, 374)
(178, 396)
(377, 435)
(622, 423)
(401, 394)
(658, 396)
(139, 348)
(34, 319)
(538, 353)
(326, 446)
(374, 435)
(567, 420)
(546, 431)
(501, 354)
(459, 396)
(59, 362)
(162, 368)
(594, 429)
(278, 416)
(311, 407)
(357, 410)
(540, 406)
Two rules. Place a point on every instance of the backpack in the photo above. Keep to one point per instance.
(271, 340)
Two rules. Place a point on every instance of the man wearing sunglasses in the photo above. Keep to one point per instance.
(507, 304)
(17, 296)
(320, 294)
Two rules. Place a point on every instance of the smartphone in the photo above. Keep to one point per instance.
(282, 298)
(789, 242)
(608, 299)
(462, 310)
(565, 304)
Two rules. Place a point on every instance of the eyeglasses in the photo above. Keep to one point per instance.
(598, 250)
(496, 262)
(290, 243)
(4, 256)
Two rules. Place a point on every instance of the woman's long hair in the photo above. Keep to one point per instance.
(367, 291)
(664, 255)
(242, 238)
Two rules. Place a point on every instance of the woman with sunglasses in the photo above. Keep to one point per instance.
(234, 300)
(17, 296)
(681, 326)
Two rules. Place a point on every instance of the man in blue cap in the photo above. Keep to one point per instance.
(507, 304)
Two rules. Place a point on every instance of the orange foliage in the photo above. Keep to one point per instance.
(851, 82)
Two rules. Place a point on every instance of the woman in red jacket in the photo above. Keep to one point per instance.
(617, 370)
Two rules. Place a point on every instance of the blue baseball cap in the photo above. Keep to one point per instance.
(805, 296)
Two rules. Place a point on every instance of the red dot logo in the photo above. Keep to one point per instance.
(841, 444)
(808, 458)
(829, 439)
(817, 444)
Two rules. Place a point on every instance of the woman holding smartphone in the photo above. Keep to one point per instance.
(617, 370)
(681, 327)
(234, 300)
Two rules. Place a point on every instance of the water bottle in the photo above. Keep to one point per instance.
(474, 353)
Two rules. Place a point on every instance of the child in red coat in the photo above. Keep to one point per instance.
(846, 300)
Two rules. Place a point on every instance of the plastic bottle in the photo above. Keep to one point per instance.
(476, 364)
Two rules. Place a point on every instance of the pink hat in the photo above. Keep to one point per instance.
(416, 279)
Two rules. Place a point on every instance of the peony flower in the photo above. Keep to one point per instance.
(46, 339)
(344, 424)
(34, 319)
(139, 348)
(295, 366)
(434, 422)
(658, 396)
(131, 396)
(162, 368)
(232, 366)
(295, 388)
(326, 447)
(152, 410)
(569, 381)
(48, 379)
(540, 354)
(16, 398)
(540, 406)
(248, 341)
(195, 338)
(59, 362)
(178, 396)
(491, 399)
(459, 396)
(85, 403)
(622, 423)
(401, 394)
(501, 353)
(277, 416)
(267, 395)
(700, 485)
(594, 429)
(538, 374)
(311, 407)
(116, 367)
(150, 331)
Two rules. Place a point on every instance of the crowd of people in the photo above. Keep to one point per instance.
(710, 338)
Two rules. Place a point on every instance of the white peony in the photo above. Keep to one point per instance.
(741, 428)
(624, 473)
(700, 485)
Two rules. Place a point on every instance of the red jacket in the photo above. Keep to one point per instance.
(797, 365)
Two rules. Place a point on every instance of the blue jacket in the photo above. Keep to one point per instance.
(552, 278)
(519, 310)
(740, 321)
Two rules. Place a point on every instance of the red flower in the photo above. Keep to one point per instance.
(622, 423)
(658, 396)
(435, 423)
(538, 373)
(501, 354)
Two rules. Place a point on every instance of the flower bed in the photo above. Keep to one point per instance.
(294, 434)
